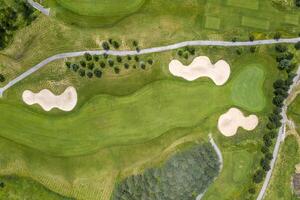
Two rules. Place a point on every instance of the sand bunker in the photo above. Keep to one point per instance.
(201, 67)
(47, 100)
(230, 121)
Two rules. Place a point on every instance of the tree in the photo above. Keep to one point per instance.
(179, 52)
(98, 73)
(68, 64)
(126, 65)
(234, 39)
(269, 156)
(142, 65)
(105, 55)
(267, 141)
(119, 59)
(136, 58)
(186, 55)
(284, 64)
(115, 44)
(2, 78)
(239, 51)
(75, 67)
(88, 56)
(280, 48)
(277, 36)
(91, 65)
(265, 164)
(90, 74)
(117, 70)
(82, 63)
(102, 64)
(150, 61)
(297, 45)
(258, 176)
(251, 190)
(252, 49)
(297, 2)
(105, 46)
(129, 57)
(110, 41)
(135, 43)
(278, 83)
(96, 58)
(265, 149)
(82, 72)
(111, 63)
(251, 37)
(278, 100)
(137, 49)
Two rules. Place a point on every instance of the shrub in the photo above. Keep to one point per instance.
(284, 64)
(186, 55)
(277, 36)
(129, 57)
(105, 46)
(102, 64)
(252, 49)
(280, 48)
(82, 72)
(82, 63)
(119, 59)
(268, 156)
(68, 64)
(251, 190)
(150, 61)
(90, 74)
(111, 63)
(135, 43)
(88, 56)
(265, 149)
(297, 45)
(115, 44)
(105, 55)
(136, 58)
(179, 52)
(75, 67)
(258, 176)
(251, 37)
(142, 65)
(117, 70)
(96, 58)
(91, 65)
(126, 65)
(98, 73)
(2, 78)
(267, 141)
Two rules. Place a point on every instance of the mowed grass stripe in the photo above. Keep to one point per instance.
(249, 4)
(256, 23)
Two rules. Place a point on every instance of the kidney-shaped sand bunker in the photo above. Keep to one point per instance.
(230, 121)
(47, 100)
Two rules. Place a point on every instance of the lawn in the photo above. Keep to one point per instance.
(247, 90)
(126, 123)
(280, 186)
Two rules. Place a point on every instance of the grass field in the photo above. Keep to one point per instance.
(126, 123)
(280, 186)
(247, 90)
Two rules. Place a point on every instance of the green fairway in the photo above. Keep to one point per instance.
(247, 90)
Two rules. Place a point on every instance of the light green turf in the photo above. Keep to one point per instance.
(102, 8)
(280, 187)
(256, 23)
(247, 89)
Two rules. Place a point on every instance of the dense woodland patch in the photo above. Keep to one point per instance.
(13, 15)
(184, 176)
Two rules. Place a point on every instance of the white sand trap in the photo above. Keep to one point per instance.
(230, 121)
(47, 100)
(201, 67)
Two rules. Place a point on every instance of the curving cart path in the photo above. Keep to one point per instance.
(45, 11)
(144, 51)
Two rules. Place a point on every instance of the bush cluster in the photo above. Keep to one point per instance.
(186, 52)
(184, 176)
(93, 65)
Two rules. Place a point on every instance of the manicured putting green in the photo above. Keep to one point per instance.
(247, 89)
(102, 8)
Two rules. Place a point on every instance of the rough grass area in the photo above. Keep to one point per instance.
(247, 90)
(280, 186)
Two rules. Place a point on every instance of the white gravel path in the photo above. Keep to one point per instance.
(45, 11)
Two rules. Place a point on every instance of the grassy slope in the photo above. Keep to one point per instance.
(280, 185)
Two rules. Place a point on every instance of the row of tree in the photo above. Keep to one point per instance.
(281, 87)
(184, 176)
